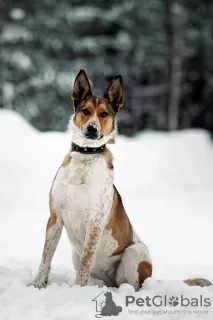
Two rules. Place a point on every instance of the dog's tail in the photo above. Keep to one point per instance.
(198, 282)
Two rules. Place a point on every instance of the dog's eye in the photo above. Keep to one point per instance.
(103, 114)
(86, 112)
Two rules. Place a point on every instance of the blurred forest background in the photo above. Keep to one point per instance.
(162, 48)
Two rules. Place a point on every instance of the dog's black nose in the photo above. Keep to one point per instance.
(92, 129)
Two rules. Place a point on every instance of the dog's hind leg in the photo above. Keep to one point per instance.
(135, 266)
(53, 233)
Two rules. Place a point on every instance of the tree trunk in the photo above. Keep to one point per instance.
(174, 65)
(175, 81)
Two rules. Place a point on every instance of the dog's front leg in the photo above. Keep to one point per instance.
(53, 233)
(92, 239)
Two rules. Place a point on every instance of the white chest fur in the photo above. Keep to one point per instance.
(82, 192)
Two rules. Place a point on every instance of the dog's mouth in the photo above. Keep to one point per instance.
(93, 136)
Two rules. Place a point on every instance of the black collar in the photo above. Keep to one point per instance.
(87, 150)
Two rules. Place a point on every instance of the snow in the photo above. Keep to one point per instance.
(83, 15)
(21, 60)
(14, 33)
(17, 14)
(166, 181)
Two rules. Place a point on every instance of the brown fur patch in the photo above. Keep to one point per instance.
(144, 271)
(66, 161)
(120, 225)
(107, 122)
(91, 245)
(52, 218)
(111, 141)
(50, 194)
(198, 282)
(51, 221)
(108, 157)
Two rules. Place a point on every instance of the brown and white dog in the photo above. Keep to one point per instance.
(84, 199)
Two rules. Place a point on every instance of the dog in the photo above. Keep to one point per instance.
(84, 199)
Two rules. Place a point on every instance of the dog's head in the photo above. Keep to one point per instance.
(94, 121)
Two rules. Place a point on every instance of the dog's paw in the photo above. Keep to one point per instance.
(39, 283)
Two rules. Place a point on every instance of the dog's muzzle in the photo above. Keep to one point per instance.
(92, 132)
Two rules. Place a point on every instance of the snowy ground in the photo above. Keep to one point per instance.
(169, 176)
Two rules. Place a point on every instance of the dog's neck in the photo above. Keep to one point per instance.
(83, 146)
(87, 150)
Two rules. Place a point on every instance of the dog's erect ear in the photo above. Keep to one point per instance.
(115, 94)
(81, 89)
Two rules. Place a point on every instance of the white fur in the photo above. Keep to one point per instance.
(78, 191)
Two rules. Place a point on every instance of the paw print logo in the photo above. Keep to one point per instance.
(173, 301)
